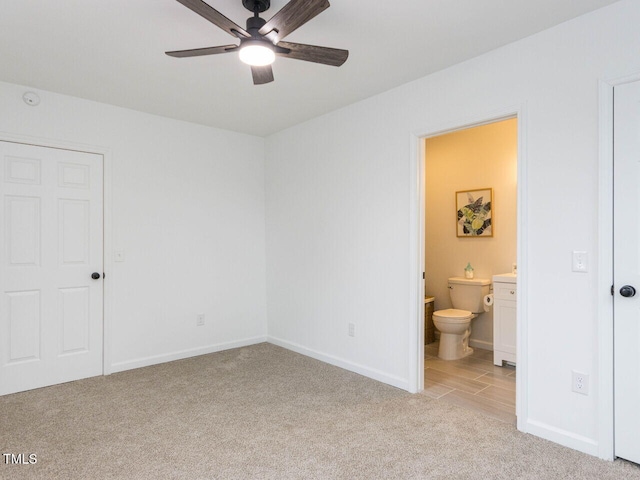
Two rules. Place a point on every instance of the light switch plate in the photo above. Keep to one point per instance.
(580, 261)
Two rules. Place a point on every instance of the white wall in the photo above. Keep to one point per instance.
(339, 198)
(187, 210)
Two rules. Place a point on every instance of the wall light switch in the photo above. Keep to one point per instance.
(580, 262)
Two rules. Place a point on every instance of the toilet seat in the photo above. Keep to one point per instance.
(453, 315)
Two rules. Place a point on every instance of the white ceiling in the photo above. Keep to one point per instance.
(112, 51)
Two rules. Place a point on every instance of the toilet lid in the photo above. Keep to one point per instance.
(453, 315)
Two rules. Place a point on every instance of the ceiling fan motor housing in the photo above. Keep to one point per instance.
(254, 24)
(256, 5)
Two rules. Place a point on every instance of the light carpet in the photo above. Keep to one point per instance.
(263, 412)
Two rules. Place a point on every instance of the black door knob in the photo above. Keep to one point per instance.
(627, 291)
(96, 276)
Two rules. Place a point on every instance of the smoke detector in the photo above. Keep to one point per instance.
(32, 99)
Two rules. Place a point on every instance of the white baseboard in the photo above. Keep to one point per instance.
(562, 437)
(193, 352)
(481, 344)
(338, 362)
(378, 375)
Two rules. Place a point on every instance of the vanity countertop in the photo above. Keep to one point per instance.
(506, 278)
(429, 299)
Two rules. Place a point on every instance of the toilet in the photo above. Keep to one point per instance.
(454, 323)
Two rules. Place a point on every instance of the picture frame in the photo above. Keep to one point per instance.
(474, 213)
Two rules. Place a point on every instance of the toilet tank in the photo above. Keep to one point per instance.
(468, 293)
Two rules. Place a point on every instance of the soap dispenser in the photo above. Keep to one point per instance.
(468, 271)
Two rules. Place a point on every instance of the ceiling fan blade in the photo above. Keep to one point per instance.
(206, 11)
(290, 17)
(262, 75)
(312, 53)
(199, 52)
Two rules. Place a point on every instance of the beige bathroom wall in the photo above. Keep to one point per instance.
(475, 158)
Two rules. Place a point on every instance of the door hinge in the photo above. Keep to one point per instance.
(612, 290)
(423, 275)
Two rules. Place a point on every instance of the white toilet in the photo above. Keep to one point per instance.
(454, 323)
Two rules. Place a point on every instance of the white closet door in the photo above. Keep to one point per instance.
(51, 243)
(627, 270)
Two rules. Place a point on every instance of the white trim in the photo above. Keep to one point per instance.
(605, 274)
(482, 344)
(416, 248)
(416, 265)
(342, 363)
(522, 261)
(107, 226)
(182, 354)
(606, 448)
(562, 437)
(107, 302)
(53, 143)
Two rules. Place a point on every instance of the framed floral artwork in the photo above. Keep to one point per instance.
(474, 213)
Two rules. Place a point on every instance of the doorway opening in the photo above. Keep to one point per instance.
(470, 220)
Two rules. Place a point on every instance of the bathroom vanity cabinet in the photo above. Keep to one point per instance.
(504, 318)
(429, 328)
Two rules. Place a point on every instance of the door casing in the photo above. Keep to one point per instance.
(107, 227)
(417, 249)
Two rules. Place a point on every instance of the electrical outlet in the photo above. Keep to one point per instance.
(580, 382)
(352, 330)
(200, 319)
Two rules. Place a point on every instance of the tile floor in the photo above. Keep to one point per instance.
(472, 382)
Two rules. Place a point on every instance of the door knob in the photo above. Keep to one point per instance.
(96, 276)
(627, 291)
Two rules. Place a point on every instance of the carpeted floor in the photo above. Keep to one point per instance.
(263, 412)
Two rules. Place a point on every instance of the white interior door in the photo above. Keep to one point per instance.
(50, 245)
(627, 270)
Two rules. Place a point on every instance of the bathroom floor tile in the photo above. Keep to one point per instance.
(500, 395)
(431, 349)
(505, 382)
(485, 365)
(481, 354)
(473, 382)
(454, 368)
(435, 390)
(458, 383)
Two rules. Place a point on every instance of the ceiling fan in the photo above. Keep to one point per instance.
(262, 41)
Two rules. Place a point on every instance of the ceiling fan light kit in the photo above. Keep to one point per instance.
(261, 41)
(256, 53)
